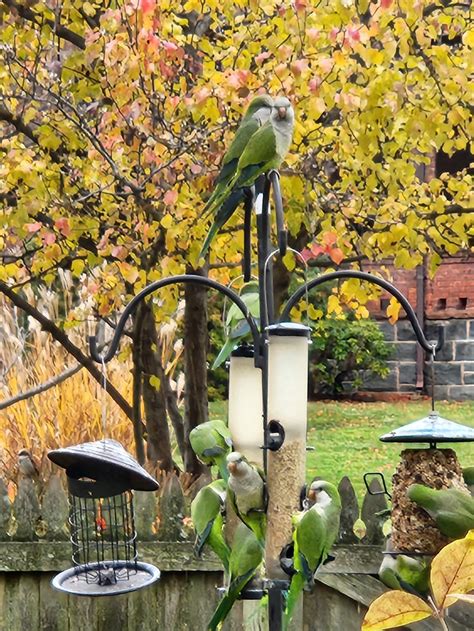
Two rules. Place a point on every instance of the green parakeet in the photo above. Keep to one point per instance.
(468, 475)
(315, 531)
(265, 150)
(245, 557)
(452, 510)
(207, 510)
(258, 112)
(410, 574)
(236, 325)
(211, 442)
(247, 493)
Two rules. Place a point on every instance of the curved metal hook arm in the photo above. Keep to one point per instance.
(172, 280)
(325, 278)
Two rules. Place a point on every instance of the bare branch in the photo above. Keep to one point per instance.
(43, 387)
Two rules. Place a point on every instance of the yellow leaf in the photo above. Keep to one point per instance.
(452, 571)
(393, 609)
(393, 310)
(468, 598)
(334, 306)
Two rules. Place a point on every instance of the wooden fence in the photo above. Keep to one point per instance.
(34, 545)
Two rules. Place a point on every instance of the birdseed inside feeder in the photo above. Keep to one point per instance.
(101, 477)
(413, 530)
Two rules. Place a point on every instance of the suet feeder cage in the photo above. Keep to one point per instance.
(101, 477)
(413, 530)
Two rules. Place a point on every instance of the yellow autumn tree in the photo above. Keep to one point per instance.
(114, 117)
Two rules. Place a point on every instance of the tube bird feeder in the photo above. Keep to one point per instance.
(287, 408)
(245, 412)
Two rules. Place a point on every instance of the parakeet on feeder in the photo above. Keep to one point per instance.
(451, 509)
(245, 558)
(410, 574)
(258, 113)
(236, 325)
(246, 491)
(211, 442)
(265, 150)
(207, 510)
(315, 531)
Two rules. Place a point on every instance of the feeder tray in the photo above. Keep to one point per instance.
(129, 577)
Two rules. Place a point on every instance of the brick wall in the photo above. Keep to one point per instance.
(449, 302)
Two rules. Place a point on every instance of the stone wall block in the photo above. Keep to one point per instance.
(446, 374)
(464, 351)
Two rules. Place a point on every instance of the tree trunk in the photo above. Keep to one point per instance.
(195, 367)
(158, 440)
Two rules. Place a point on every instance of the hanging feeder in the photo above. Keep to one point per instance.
(413, 530)
(101, 476)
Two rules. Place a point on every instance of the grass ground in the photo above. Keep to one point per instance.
(345, 436)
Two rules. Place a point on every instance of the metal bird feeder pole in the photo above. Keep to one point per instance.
(280, 353)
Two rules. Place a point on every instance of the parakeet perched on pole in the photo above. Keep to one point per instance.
(315, 531)
(207, 510)
(410, 574)
(451, 509)
(258, 113)
(246, 556)
(247, 493)
(236, 325)
(265, 150)
(211, 442)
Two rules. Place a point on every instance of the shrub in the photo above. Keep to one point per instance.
(341, 350)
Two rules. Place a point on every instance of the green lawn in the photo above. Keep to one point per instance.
(345, 435)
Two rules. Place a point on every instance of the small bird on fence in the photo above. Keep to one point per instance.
(452, 509)
(211, 442)
(315, 531)
(27, 467)
(207, 513)
(245, 558)
(263, 148)
(247, 493)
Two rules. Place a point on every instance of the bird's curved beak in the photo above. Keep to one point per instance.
(312, 495)
(282, 113)
(232, 467)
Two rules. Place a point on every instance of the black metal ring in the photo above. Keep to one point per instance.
(325, 278)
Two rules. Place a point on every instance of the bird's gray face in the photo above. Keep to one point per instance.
(234, 460)
(315, 491)
(282, 109)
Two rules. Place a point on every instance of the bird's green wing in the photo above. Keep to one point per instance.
(452, 510)
(259, 156)
(205, 508)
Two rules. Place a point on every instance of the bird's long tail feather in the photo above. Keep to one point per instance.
(228, 600)
(296, 587)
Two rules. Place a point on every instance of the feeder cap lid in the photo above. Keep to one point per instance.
(101, 459)
(430, 429)
(243, 350)
(288, 329)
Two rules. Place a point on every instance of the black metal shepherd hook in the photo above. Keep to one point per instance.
(259, 197)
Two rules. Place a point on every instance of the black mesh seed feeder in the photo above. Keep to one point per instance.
(101, 477)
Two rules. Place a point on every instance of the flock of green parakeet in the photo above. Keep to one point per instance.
(315, 528)
(243, 485)
(260, 145)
